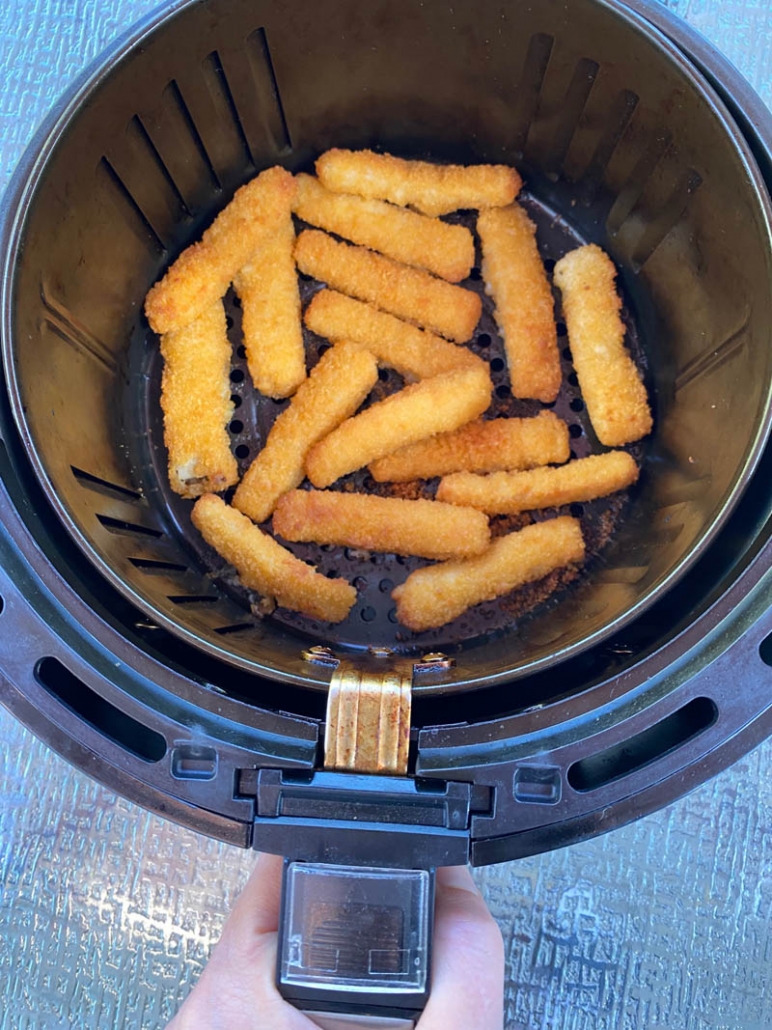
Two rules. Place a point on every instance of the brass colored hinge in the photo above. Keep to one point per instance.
(368, 709)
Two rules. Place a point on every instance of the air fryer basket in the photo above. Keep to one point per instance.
(619, 143)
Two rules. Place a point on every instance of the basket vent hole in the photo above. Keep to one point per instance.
(575, 431)
(644, 748)
(549, 265)
(368, 614)
(577, 510)
(242, 451)
(561, 329)
(236, 426)
(567, 353)
(475, 274)
(503, 391)
(122, 729)
(497, 365)
(237, 376)
(484, 340)
(577, 404)
(241, 350)
(235, 400)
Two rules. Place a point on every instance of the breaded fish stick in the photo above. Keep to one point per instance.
(430, 188)
(415, 353)
(504, 493)
(446, 250)
(514, 274)
(407, 292)
(268, 568)
(203, 272)
(273, 334)
(196, 402)
(611, 386)
(333, 391)
(426, 529)
(432, 406)
(435, 595)
(501, 443)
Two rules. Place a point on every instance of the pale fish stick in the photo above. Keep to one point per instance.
(500, 443)
(270, 301)
(430, 188)
(437, 594)
(266, 567)
(202, 273)
(514, 274)
(432, 406)
(333, 391)
(425, 529)
(415, 353)
(611, 386)
(446, 250)
(505, 493)
(407, 292)
(197, 406)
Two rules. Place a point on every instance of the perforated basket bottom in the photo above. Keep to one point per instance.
(373, 618)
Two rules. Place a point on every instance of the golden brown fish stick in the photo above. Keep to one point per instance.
(415, 353)
(426, 529)
(514, 274)
(446, 250)
(270, 300)
(432, 406)
(197, 406)
(611, 386)
(435, 595)
(430, 188)
(203, 272)
(504, 493)
(407, 292)
(500, 443)
(268, 568)
(333, 391)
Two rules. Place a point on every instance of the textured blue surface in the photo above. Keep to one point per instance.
(107, 913)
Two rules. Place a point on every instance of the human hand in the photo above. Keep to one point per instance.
(237, 991)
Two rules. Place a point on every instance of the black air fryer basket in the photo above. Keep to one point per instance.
(126, 646)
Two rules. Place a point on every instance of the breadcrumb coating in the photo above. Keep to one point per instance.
(514, 274)
(270, 301)
(611, 386)
(268, 568)
(432, 406)
(202, 273)
(426, 529)
(197, 406)
(415, 353)
(445, 250)
(505, 493)
(480, 446)
(437, 594)
(406, 292)
(332, 393)
(430, 188)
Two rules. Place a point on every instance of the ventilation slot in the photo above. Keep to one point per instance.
(151, 565)
(644, 748)
(667, 218)
(193, 598)
(631, 192)
(573, 104)
(122, 729)
(73, 332)
(529, 88)
(619, 117)
(132, 213)
(104, 486)
(120, 526)
(265, 76)
(237, 627)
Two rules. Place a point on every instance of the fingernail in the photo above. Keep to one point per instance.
(459, 876)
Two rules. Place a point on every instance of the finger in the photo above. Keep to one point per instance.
(468, 965)
(238, 985)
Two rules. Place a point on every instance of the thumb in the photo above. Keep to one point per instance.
(468, 965)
